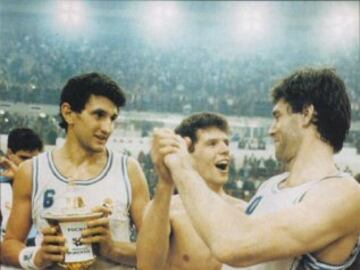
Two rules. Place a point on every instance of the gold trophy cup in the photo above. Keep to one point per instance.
(72, 221)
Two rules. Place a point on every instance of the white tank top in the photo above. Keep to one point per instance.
(269, 199)
(112, 184)
(5, 203)
(6, 199)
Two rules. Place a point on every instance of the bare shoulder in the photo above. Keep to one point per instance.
(336, 196)
(23, 177)
(25, 168)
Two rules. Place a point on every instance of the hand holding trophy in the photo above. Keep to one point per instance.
(71, 220)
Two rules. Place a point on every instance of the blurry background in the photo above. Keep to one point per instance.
(173, 59)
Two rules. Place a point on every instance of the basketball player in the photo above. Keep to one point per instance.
(305, 218)
(167, 239)
(89, 106)
(22, 144)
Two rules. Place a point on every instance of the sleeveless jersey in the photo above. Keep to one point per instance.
(269, 199)
(111, 185)
(5, 202)
(6, 198)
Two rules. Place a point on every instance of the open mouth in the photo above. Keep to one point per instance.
(222, 165)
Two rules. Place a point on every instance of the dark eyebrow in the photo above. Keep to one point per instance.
(24, 157)
(211, 140)
(218, 140)
(104, 112)
(99, 110)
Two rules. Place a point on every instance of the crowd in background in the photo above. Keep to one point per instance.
(34, 67)
(242, 183)
(46, 126)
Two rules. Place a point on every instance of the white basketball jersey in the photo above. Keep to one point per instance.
(269, 199)
(112, 185)
(5, 203)
(6, 198)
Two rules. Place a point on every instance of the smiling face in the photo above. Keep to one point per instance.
(286, 131)
(94, 124)
(211, 156)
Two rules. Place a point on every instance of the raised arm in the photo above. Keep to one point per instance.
(238, 239)
(153, 240)
(156, 222)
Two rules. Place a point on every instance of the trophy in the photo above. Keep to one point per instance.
(71, 215)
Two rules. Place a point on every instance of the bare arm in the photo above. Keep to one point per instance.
(20, 222)
(240, 204)
(140, 192)
(324, 216)
(155, 229)
(119, 251)
(240, 240)
(156, 222)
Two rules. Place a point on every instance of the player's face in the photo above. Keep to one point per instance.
(95, 123)
(286, 131)
(22, 155)
(211, 156)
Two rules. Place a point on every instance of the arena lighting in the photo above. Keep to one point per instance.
(70, 15)
(339, 26)
(160, 19)
(249, 21)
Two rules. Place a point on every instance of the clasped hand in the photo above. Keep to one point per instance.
(9, 168)
(168, 150)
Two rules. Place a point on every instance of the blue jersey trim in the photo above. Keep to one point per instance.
(35, 179)
(126, 179)
(309, 262)
(81, 182)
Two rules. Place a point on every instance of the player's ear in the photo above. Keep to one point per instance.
(309, 114)
(67, 113)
